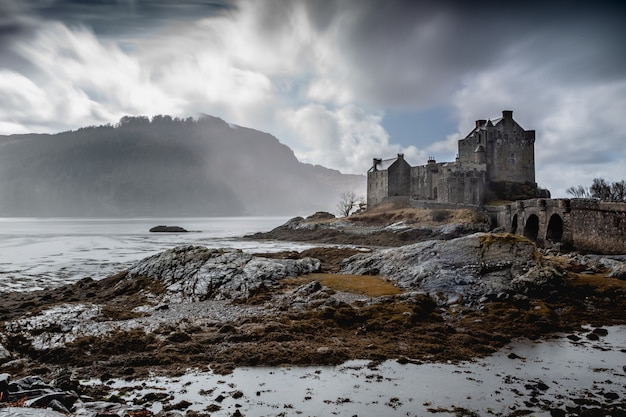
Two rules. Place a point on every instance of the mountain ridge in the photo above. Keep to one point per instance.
(162, 166)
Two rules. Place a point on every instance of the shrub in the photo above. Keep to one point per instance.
(440, 215)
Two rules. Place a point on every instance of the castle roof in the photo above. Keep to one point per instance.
(383, 164)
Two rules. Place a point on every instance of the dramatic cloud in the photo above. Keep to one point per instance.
(321, 75)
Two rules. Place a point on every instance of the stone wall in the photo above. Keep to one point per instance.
(580, 224)
(424, 179)
(462, 187)
(599, 226)
(399, 177)
(376, 187)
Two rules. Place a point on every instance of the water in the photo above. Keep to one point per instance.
(36, 253)
(39, 253)
(497, 385)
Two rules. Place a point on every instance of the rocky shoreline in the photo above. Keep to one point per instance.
(448, 292)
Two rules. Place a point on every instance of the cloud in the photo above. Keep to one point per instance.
(579, 131)
(320, 74)
(346, 136)
(251, 67)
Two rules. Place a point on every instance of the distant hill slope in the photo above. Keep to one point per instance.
(162, 167)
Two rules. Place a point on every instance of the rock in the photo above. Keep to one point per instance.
(5, 355)
(326, 228)
(600, 331)
(44, 400)
(28, 412)
(613, 265)
(616, 266)
(168, 229)
(474, 266)
(197, 273)
(537, 280)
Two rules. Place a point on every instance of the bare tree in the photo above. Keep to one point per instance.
(579, 192)
(347, 203)
(618, 191)
(601, 190)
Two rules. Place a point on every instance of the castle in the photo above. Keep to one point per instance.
(496, 161)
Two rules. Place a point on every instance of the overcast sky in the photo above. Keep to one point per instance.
(338, 81)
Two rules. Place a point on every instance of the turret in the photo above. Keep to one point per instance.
(479, 155)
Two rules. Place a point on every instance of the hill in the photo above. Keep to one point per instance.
(161, 167)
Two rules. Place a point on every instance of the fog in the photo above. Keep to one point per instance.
(162, 167)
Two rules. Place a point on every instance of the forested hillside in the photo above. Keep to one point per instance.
(162, 167)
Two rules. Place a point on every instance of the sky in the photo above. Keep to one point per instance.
(338, 81)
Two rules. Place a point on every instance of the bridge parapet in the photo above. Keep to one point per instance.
(583, 224)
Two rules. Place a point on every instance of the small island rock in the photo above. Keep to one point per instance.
(168, 229)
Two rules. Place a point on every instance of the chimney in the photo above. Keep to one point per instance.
(480, 122)
(507, 114)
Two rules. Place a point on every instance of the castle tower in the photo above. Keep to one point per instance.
(479, 155)
(510, 151)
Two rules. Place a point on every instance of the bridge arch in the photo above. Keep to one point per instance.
(554, 232)
(514, 224)
(531, 228)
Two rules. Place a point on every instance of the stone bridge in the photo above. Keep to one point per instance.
(581, 224)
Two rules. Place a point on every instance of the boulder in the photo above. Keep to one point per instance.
(196, 273)
(42, 399)
(168, 229)
(5, 355)
(473, 267)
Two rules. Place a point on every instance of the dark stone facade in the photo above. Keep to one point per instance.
(494, 155)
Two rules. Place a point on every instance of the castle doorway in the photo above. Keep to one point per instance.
(531, 229)
(555, 229)
(514, 224)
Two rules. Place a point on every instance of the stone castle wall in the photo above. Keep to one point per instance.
(376, 187)
(462, 187)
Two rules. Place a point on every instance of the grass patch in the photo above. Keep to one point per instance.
(599, 282)
(368, 285)
(383, 215)
(505, 238)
